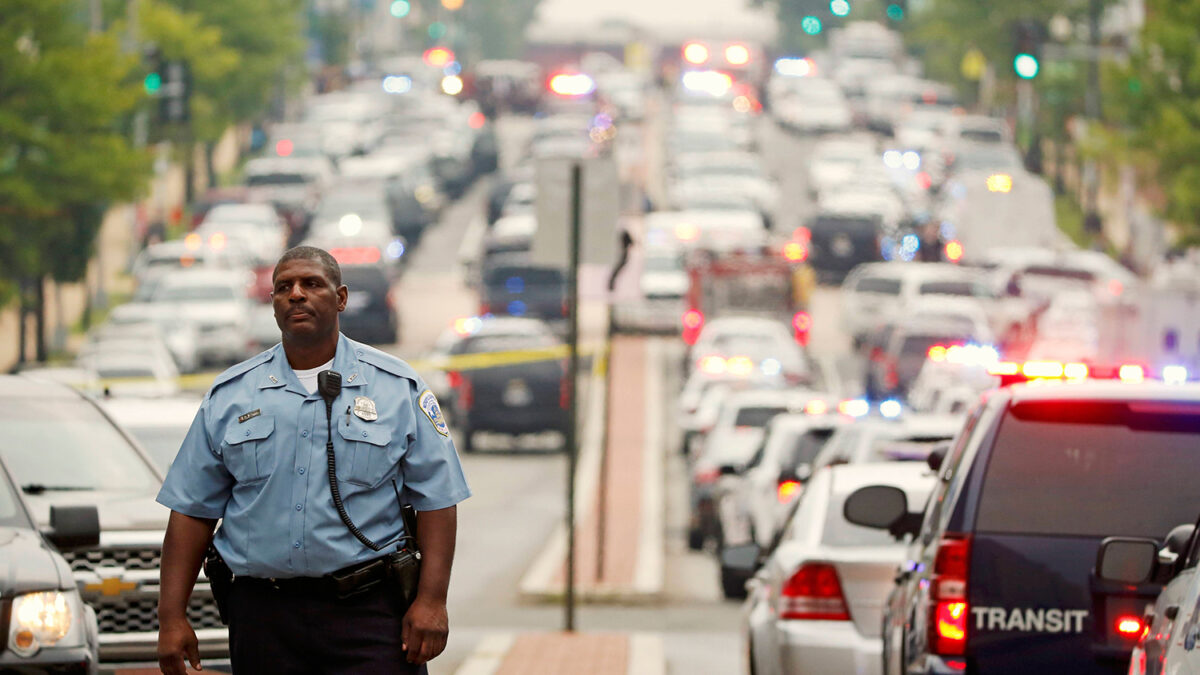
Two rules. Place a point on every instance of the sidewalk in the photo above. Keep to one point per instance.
(567, 654)
(619, 531)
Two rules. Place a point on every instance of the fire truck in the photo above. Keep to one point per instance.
(774, 281)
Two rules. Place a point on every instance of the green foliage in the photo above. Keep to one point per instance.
(1156, 96)
(63, 94)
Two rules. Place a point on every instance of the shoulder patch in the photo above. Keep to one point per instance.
(239, 369)
(429, 405)
(385, 362)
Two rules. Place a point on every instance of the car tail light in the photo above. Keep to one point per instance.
(564, 393)
(485, 308)
(813, 593)
(787, 490)
(566, 308)
(454, 379)
(466, 393)
(712, 364)
(693, 321)
(954, 251)
(948, 618)
(1129, 626)
(802, 323)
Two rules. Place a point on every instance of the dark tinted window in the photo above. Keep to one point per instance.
(526, 276)
(918, 345)
(1060, 273)
(850, 226)
(364, 278)
(501, 343)
(277, 179)
(1092, 469)
(806, 447)
(756, 416)
(877, 285)
(967, 288)
(982, 135)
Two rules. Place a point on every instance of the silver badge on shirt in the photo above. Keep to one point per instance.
(364, 408)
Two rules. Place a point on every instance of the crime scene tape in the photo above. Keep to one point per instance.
(461, 362)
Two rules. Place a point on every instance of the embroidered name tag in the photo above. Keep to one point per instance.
(250, 415)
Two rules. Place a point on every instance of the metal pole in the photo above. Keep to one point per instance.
(1092, 109)
(571, 443)
(602, 507)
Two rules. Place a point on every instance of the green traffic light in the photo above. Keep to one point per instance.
(152, 83)
(895, 12)
(401, 8)
(839, 7)
(437, 30)
(1026, 66)
(811, 25)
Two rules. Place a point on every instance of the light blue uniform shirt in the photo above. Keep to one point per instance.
(255, 458)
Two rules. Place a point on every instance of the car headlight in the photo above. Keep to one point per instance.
(45, 619)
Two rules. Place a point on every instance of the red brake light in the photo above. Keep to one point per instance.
(693, 320)
(356, 255)
(813, 593)
(948, 618)
(937, 353)
(454, 379)
(1130, 626)
(802, 323)
(466, 393)
(564, 393)
(795, 251)
(787, 490)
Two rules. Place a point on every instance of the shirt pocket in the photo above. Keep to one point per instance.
(247, 449)
(369, 452)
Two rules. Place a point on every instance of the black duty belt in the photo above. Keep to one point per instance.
(343, 583)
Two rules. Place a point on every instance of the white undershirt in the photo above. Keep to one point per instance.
(308, 378)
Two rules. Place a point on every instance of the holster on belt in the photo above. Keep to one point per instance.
(220, 580)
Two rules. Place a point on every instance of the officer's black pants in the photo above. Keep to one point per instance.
(284, 632)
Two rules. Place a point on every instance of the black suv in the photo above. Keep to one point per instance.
(47, 627)
(1001, 572)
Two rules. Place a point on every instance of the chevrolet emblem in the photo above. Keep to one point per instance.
(111, 586)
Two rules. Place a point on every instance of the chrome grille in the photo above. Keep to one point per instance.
(134, 558)
(141, 616)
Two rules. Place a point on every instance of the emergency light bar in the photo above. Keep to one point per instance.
(1012, 372)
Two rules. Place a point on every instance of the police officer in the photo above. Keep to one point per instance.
(255, 459)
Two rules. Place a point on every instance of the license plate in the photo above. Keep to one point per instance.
(517, 394)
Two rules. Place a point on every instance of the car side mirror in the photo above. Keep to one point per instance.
(937, 456)
(876, 506)
(728, 470)
(1127, 560)
(73, 527)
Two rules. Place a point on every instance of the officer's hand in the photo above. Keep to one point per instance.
(177, 641)
(425, 629)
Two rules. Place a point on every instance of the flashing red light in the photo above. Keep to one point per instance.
(954, 250)
(695, 52)
(284, 148)
(1129, 626)
(477, 120)
(437, 57)
(802, 322)
(802, 234)
(454, 379)
(813, 593)
(787, 490)
(1042, 369)
(737, 55)
(356, 255)
(694, 318)
(794, 251)
(937, 353)
(572, 84)
(924, 180)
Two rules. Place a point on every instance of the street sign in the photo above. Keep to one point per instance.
(599, 235)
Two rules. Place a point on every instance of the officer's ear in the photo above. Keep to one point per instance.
(342, 293)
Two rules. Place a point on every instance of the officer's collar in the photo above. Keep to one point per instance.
(277, 372)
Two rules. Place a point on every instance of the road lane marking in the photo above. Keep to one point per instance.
(648, 574)
(488, 654)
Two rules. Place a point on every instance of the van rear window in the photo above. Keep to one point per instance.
(757, 416)
(878, 285)
(1092, 469)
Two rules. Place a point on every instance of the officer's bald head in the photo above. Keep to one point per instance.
(332, 270)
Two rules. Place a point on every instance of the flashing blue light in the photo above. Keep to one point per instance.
(890, 408)
(602, 121)
(452, 68)
(771, 367)
(1175, 374)
(946, 229)
(516, 308)
(789, 66)
(395, 249)
(514, 285)
(397, 84)
(911, 243)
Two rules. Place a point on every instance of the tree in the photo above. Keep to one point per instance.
(63, 95)
(1156, 97)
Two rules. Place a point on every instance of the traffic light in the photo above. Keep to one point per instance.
(400, 8)
(1028, 38)
(839, 7)
(811, 25)
(175, 94)
(155, 64)
(897, 10)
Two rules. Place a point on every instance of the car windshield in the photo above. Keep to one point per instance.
(194, 293)
(757, 416)
(262, 179)
(1092, 469)
(67, 443)
(161, 442)
(502, 343)
(805, 447)
(877, 285)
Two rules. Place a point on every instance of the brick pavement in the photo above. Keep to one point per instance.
(561, 653)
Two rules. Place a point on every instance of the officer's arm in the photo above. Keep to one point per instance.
(183, 550)
(436, 533)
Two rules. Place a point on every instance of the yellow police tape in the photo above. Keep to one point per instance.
(461, 362)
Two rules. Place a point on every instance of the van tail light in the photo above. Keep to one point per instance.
(948, 616)
(1130, 627)
(787, 490)
(564, 393)
(813, 593)
(454, 379)
(466, 393)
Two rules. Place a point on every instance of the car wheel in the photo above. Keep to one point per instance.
(695, 539)
(733, 585)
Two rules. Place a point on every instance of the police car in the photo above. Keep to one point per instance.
(1000, 575)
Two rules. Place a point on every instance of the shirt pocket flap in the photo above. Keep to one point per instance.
(254, 429)
(374, 435)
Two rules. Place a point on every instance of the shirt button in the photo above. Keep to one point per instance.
(301, 470)
(247, 432)
(299, 507)
(304, 433)
(364, 434)
(296, 544)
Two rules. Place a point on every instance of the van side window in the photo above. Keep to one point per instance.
(937, 499)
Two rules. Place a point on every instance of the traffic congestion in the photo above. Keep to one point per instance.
(833, 380)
